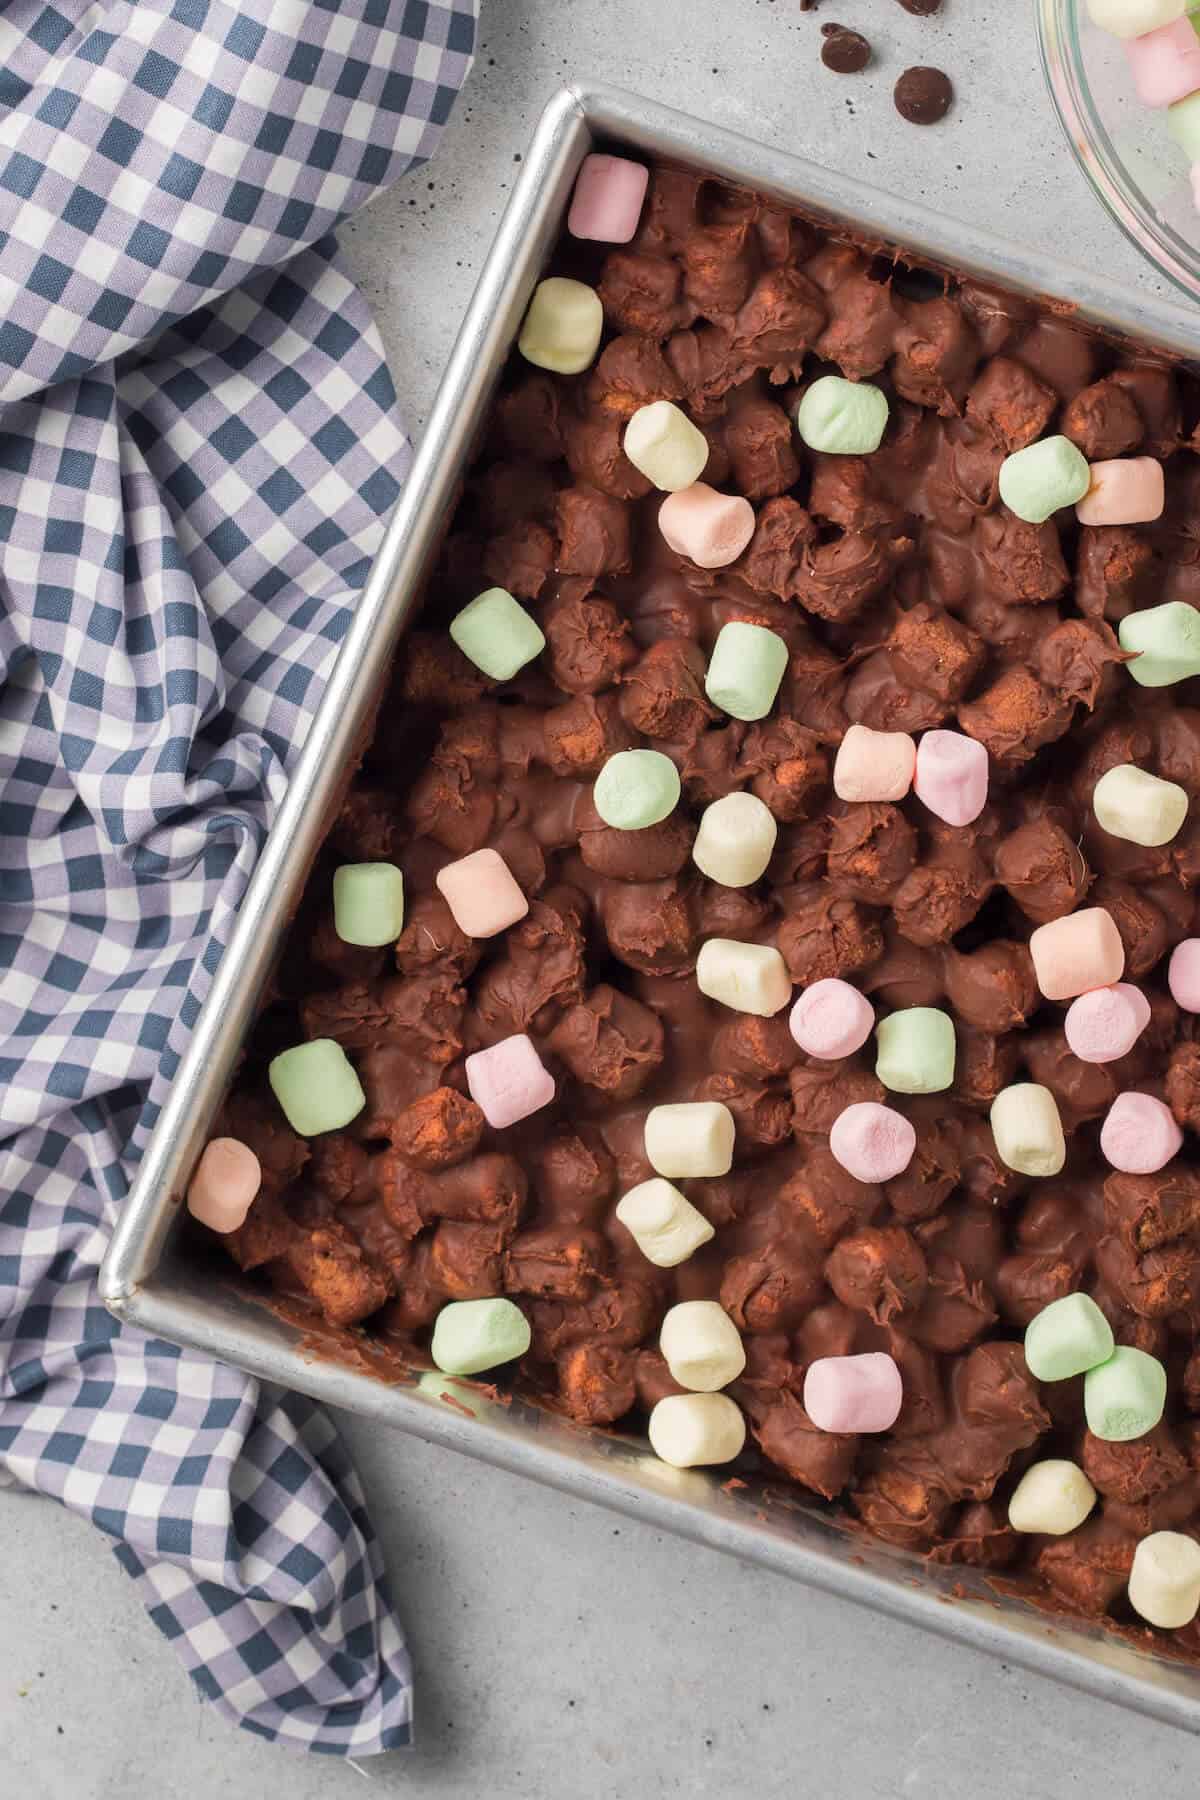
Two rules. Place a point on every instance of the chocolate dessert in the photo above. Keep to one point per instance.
(909, 598)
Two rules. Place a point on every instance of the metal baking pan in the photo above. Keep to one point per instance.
(148, 1283)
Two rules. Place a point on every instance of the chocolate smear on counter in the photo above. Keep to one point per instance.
(923, 95)
(844, 51)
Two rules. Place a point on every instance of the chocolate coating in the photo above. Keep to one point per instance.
(907, 597)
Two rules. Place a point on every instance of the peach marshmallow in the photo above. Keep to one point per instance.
(222, 1190)
(481, 892)
(1127, 490)
(1165, 63)
(1076, 953)
(874, 765)
(709, 528)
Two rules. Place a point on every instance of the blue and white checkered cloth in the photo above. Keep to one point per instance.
(199, 446)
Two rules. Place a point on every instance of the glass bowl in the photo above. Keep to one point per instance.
(1138, 174)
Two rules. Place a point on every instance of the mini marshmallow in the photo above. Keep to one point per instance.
(1183, 975)
(1165, 63)
(1068, 1337)
(1043, 478)
(702, 1346)
(1127, 490)
(1078, 952)
(368, 903)
(1164, 1581)
(482, 893)
(472, 1335)
(745, 669)
(663, 1223)
(710, 529)
(1129, 803)
(1133, 18)
(915, 1050)
(853, 1393)
(607, 203)
(874, 765)
(1106, 1023)
(1139, 1135)
(691, 1431)
(508, 1081)
(842, 418)
(951, 776)
(694, 1137)
(736, 840)
(872, 1142)
(226, 1181)
(636, 789)
(670, 451)
(831, 1019)
(316, 1086)
(563, 326)
(749, 978)
(498, 635)
(1166, 642)
(1027, 1129)
(1183, 124)
(1053, 1497)
(1125, 1397)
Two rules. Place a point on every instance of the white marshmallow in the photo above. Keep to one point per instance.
(1027, 1129)
(562, 327)
(691, 1430)
(736, 840)
(1164, 1582)
(749, 978)
(1129, 803)
(663, 1223)
(662, 442)
(1133, 18)
(702, 1346)
(1052, 1496)
(694, 1137)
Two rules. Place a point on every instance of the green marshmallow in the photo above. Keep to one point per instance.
(745, 670)
(1183, 124)
(842, 418)
(1043, 478)
(368, 903)
(915, 1050)
(1124, 1398)
(497, 634)
(1167, 641)
(472, 1335)
(316, 1086)
(635, 789)
(1068, 1337)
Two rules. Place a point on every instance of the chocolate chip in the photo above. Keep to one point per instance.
(844, 51)
(922, 8)
(923, 96)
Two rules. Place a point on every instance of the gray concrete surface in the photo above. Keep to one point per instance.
(562, 1651)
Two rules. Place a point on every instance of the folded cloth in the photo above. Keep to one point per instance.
(199, 445)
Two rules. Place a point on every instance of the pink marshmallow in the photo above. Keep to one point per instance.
(508, 1081)
(853, 1393)
(607, 202)
(831, 1019)
(1128, 490)
(710, 529)
(1106, 1023)
(872, 1142)
(482, 894)
(1139, 1134)
(874, 765)
(1077, 953)
(1165, 63)
(1183, 975)
(952, 775)
(1196, 186)
(222, 1190)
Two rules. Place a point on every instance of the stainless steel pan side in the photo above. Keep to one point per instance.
(146, 1282)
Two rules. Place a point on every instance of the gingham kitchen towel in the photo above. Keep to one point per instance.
(199, 445)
